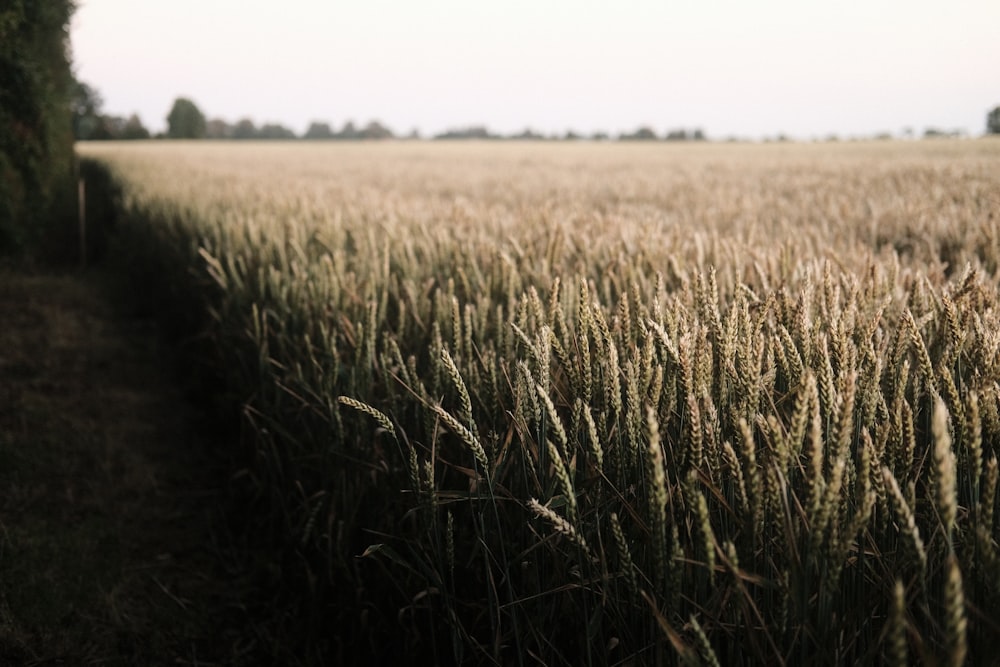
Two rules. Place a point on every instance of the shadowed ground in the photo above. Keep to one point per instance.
(113, 540)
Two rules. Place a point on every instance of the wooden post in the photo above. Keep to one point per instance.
(82, 205)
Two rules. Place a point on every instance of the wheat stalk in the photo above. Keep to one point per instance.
(905, 519)
(657, 481)
(451, 370)
(465, 435)
(705, 650)
(564, 480)
(944, 469)
(624, 556)
(593, 440)
(955, 622)
(562, 526)
(988, 496)
(896, 640)
(553, 420)
(374, 413)
(696, 500)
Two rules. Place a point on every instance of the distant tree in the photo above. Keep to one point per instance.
(349, 131)
(375, 130)
(937, 133)
(473, 132)
(599, 136)
(274, 131)
(112, 127)
(85, 105)
(527, 134)
(244, 129)
(699, 135)
(677, 135)
(217, 128)
(993, 121)
(642, 134)
(103, 127)
(185, 120)
(318, 130)
(134, 129)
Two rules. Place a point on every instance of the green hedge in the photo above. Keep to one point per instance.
(36, 143)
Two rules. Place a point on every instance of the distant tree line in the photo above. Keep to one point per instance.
(245, 128)
(938, 133)
(643, 133)
(186, 121)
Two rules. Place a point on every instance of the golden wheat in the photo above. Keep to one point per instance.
(785, 357)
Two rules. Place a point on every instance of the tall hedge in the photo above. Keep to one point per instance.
(36, 143)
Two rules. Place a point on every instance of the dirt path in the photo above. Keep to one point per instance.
(112, 547)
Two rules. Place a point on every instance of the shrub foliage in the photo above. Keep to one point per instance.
(36, 143)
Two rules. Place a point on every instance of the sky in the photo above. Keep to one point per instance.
(803, 68)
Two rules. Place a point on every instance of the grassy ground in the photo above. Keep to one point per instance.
(114, 544)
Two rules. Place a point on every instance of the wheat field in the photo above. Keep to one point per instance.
(602, 403)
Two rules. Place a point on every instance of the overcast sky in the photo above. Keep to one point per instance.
(732, 67)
